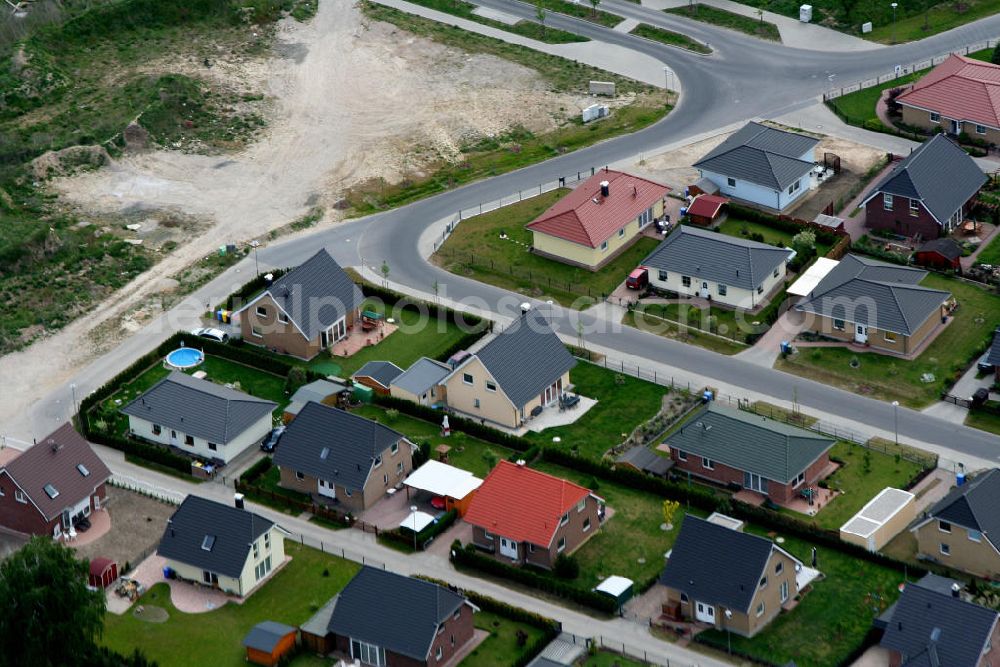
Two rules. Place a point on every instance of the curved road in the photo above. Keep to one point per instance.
(745, 78)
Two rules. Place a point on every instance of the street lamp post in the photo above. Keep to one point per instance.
(729, 637)
(255, 244)
(413, 527)
(666, 82)
(894, 5)
(895, 420)
(72, 388)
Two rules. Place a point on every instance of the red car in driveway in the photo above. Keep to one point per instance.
(638, 279)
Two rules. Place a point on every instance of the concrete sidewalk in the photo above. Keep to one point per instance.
(793, 33)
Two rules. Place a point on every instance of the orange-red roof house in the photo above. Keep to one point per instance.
(959, 95)
(521, 515)
(598, 220)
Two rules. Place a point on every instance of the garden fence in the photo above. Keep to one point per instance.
(617, 646)
(334, 550)
(146, 488)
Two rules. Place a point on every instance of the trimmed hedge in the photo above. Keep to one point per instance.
(989, 407)
(153, 453)
(468, 557)
(257, 470)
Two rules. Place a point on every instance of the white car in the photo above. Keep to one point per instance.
(217, 335)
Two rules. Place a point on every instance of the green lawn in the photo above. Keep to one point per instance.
(502, 646)
(727, 19)
(831, 620)
(583, 10)
(475, 249)
(984, 421)
(991, 253)
(623, 402)
(670, 38)
(417, 336)
(610, 659)
(213, 638)
(889, 378)
(940, 18)
(524, 28)
(858, 485)
(690, 335)
(745, 229)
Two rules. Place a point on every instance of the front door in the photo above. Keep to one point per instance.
(704, 612)
(704, 290)
(508, 548)
(956, 127)
(324, 339)
(860, 333)
(327, 489)
(173, 438)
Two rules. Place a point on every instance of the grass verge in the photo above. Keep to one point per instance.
(670, 38)
(524, 28)
(691, 333)
(984, 421)
(727, 19)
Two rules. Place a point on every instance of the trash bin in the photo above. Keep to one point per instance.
(806, 13)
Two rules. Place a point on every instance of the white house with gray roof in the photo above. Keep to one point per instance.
(199, 417)
(726, 269)
(761, 165)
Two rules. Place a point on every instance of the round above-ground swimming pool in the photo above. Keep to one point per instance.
(183, 358)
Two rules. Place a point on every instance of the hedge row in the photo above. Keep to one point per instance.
(468, 557)
(989, 407)
(159, 454)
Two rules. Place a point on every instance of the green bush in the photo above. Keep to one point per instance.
(566, 567)
(257, 470)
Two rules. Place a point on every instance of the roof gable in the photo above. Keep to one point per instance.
(974, 505)
(199, 408)
(62, 462)
(383, 372)
(400, 614)
(522, 504)
(586, 217)
(718, 257)
(423, 374)
(750, 442)
(762, 155)
(334, 445)
(526, 357)
(211, 536)
(959, 88)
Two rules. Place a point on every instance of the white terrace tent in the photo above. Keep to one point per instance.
(440, 479)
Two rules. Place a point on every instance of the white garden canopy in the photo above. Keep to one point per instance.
(444, 480)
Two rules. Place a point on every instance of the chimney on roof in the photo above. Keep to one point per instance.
(605, 188)
(238, 501)
(955, 590)
(525, 307)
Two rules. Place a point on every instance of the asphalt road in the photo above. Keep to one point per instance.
(745, 78)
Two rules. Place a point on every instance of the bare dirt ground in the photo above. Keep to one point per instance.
(137, 523)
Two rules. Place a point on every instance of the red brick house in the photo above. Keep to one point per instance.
(46, 489)
(928, 194)
(743, 449)
(524, 516)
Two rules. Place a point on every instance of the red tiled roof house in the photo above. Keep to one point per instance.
(959, 95)
(523, 516)
(45, 489)
(598, 220)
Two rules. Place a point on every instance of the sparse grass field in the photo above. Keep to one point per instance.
(476, 250)
(670, 38)
(213, 638)
(727, 19)
(502, 646)
(582, 10)
(888, 378)
(524, 28)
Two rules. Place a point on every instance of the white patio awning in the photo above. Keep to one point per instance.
(417, 521)
(814, 274)
(614, 586)
(442, 479)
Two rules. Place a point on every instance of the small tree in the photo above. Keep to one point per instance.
(995, 57)
(385, 272)
(593, 5)
(490, 457)
(670, 508)
(540, 15)
(804, 240)
(296, 378)
(566, 567)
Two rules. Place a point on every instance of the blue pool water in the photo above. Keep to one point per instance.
(185, 357)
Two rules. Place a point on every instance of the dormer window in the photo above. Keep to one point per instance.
(208, 542)
(83, 470)
(51, 491)
(325, 452)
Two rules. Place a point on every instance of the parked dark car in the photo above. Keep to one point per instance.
(638, 279)
(984, 365)
(271, 440)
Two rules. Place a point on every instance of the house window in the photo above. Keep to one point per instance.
(722, 290)
(20, 497)
(2, 492)
(531, 548)
(731, 182)
(189, 440)
(385, 479)
(348, 493)
(975, 536)
(491, 386)
(760, 289)
(801, 477)
(458, 614)
(621, 233)
(438, 653)
(561, 547)
(686, 281)
(791, 189)
(256, 332)
(267, 540)
(477, 403)
(564, 519)
(945, 549)
(775, 274)
(214, 447)
(586, 524)
(707, 463)
(369, 654)
(604, 246)
(779, 568)
(763, 581)
(378, 461)
(944, 526)
(645, 218)
(440, 629)
(283, 318)
(262, 311)
(394, 447)
(838, 325)
(935, 117)
(467, 378)
(662, 275)
(889, 336)
(582, 505)
(399, 468)
(684, 597)
(784, 591)
(299, 476)
(760, 609)
(914, 208)
(157, 429)
(980, 129)
(682, 455)
(453, 641)
(886, 202)
(256, 550)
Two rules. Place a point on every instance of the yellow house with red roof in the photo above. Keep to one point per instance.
(598, 220)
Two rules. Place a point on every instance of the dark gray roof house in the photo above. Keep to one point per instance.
(930, 628)
(334, 445)
(314, 295)
(421, 376)
(761, 155)
(930, 581)
(397, 613)
(211, 536)
(381, 372)
(526, 357)
(975, 506)
(646, 460)
(749, 442)
(937, 173)
(199, 408)
(708, 255)
(717, 565)
(876, 294)
(994, 356)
